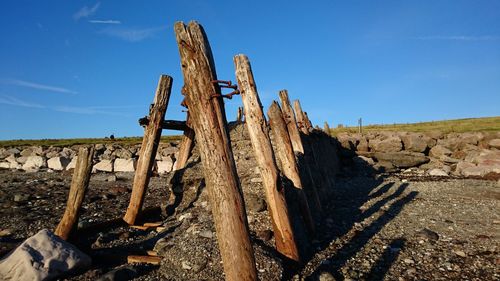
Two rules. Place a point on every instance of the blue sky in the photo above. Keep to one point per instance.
(90, 68)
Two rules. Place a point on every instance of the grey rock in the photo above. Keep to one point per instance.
(403, 159)
(206, 234)
(43, 256)
(120, 274)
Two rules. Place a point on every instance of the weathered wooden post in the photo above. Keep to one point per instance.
(185, 147)
(150, 142)
(206, 109)
(326, 128)
(291, 122)
(287, 158)
(312, 151)
(259, 136)
(240, 115)
(79, 184)
(294, 123)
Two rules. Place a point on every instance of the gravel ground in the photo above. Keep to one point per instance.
(404, 226)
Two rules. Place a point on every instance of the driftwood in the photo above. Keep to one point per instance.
(288, 161)
(207, 115)
(259, 136)
(79, 184)
(150, 142)
(155, 260)
(291, 122)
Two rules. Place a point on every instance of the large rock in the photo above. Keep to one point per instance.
(123, 153)
(390, 144)
(103, 166)
(494, 143)
(165, 165)
(34, 163)
(32, 151)
(72, 163)
(58, 163)
(402, 159)
(4, 165)
(124, 165)
(415, 142)
(43, 256)
(439, 150)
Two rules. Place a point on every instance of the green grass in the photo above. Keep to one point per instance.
(70, 142)
(485, 124)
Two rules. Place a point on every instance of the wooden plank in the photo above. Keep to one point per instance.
(155, 260)
(261, 143)
(207, 114)
(77, 191)
(150, 142)
(185, 148)
(167, 124)
(287, 159)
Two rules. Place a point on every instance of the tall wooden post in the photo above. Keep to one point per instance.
(79, 184)
(206, 108)
(291, 122)
(312, 150)
(259, 136)
(287, 158)
(326, 128)
(185, 147)
(150, 142)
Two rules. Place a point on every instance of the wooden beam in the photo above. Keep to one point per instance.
(167, 124)
(150, 142)
(79, 184)
(287, 159)
(155, 260)
(207, 113)
(261, 143)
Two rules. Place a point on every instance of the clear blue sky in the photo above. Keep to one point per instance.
(90, 68)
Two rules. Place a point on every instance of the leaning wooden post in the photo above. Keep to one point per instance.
(79, 184)
(150, 142)
(259, 136)
(326, 128)
(287, 159)
(207, 113)
(313, 150)
(185, 147)
(291, 122)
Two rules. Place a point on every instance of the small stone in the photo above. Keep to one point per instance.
(186, 265)
(409, 261)
(265, 235)
(184, 216)
(111, 178)
(460, 253)
(5, 232)
(438, 172)
(428, 234)
(206, 234)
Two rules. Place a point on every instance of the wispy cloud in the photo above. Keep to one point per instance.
(131, 34)
(459, 38)
(37, 86)
(87, 110)
(105, 21)
(85, 11)
(4, 99)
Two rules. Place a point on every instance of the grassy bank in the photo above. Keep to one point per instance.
(486, 124)
(70, 142)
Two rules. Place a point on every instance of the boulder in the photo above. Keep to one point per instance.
(494, 143)
(390, 144)
(438, 172)
(463, 165)
(124, 165)
(346, 141)
(58, 163)
(103, 166)
(363, 145)
(67, 153)
(362, 160)
(13, 151)
(165, 165)
(43, 256)
(72, 163)
(32, 151)
(402, 159)
(439, 150)
(34, 163)
(415, 142)
(123, 153)
(4, 165)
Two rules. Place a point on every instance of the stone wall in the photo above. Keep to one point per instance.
(107, 158)
(461, 154)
